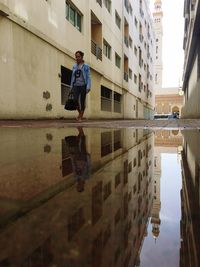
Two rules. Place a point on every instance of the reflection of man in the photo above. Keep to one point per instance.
(81, 163)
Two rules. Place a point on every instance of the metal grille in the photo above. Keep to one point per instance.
(96, 50)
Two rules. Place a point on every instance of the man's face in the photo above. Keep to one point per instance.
(80, 185)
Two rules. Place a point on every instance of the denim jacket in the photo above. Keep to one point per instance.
(86, 75)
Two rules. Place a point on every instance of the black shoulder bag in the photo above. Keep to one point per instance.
(70, 103)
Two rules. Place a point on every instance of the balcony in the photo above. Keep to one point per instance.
(96, 50)
(141, 37)
(141, 12)
(126, 40)
(126, 76)
(96, 36)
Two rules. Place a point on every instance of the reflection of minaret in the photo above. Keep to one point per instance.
(157, 15)
(155, 219)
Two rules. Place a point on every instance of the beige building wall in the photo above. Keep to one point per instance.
(191, 72)
(38, 40)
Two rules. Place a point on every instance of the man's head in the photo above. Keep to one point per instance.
(79, 57)
(80, 185)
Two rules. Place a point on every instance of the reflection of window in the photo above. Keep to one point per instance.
(110, 142)
(126, 172)
(117, 254)
(106, 191)
(75, 223)
(106, 143)
(125, 205)
(107, 235)
(129, 167)
(117, 179)
(66, 160)
(42, 256)
(117, 216)
(117, 140)
(97, 250)
(96, 202)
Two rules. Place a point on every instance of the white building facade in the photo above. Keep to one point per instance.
(39, 39)
(158, 27)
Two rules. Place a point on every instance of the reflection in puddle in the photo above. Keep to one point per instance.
(89, 197)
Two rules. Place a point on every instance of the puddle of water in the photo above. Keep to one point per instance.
(99, 197)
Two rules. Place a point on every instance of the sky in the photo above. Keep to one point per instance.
(165, 252)
(173, 28)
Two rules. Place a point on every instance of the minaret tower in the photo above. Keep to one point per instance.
(155, 211)
(158, 28)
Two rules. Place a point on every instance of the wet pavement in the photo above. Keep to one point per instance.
(158, 124)
(102, 195)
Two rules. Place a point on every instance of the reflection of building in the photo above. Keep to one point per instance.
(168, 101)
(37, 51)
(191, 73)
(155, 211)
(102, 226)
(166, 141)
(190, 199)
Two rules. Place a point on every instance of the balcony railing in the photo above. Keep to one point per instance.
(126, 40)
(126, 76)
(96, 50)
(141, 37)
(141, 12)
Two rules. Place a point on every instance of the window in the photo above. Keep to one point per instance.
(156, 78)
(156, 49)
(117, 20)
(106, 49)
(65, 83)
(130, 73)
(99, 2)
(136, 22)
(135, 51)
(117, 102)
(130, 42)
(126, 4)
(130, 9)
(107, 4)
(106, 99)
(73, 16)
(135, 78)
(117, 60)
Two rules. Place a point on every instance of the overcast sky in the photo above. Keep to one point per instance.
(173, 26)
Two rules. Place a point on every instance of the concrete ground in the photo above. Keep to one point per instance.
(157, 124)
